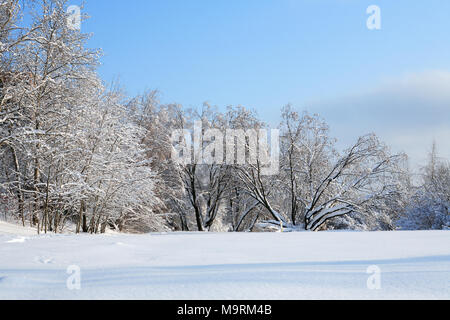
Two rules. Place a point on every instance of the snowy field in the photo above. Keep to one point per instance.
(329, 265)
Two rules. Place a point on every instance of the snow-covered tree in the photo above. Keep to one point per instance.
(429, 206)
(320, 184)
(69, 150)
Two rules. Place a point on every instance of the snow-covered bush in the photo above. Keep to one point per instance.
(426, 214)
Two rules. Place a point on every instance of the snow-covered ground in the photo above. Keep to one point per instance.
(14, 229)
(304, 265)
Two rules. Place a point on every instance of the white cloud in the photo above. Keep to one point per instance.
(408, 112)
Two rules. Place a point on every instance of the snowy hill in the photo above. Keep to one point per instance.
(304, 265)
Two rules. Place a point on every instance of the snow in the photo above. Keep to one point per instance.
(296, 265)
(14, 229)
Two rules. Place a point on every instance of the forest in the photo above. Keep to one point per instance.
(78, 154)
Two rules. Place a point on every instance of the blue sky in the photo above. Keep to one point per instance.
(315, 54)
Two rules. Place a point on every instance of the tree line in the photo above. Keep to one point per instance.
(77, 154)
